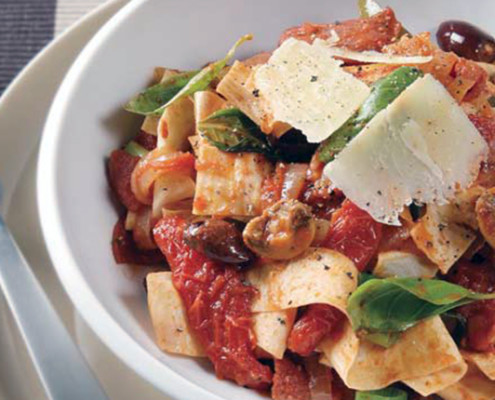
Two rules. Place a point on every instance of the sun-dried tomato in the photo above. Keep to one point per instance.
(480, 315)
(355, 34)
(218, 304)
(120, 167)
(317, 322)
(146, 140)
(290, 381)
(354, 233)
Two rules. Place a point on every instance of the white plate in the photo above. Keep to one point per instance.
(34, 90)
(87, 122)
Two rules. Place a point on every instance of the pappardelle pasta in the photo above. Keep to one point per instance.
(322, 215)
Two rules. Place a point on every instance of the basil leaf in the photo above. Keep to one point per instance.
(157, 95)
(232, 131)
(202, 80)
(393, 305)
(368, 8)
(135, 149)
(383, 92)
(365, 277)
(389, 393)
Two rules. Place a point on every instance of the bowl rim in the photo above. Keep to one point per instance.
(135, 356)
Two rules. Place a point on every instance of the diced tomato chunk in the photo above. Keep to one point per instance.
(146, 140)
(125, 250)
(480, 315)
(290, 381)
(120, 167)
(354, 233)
(355, 34)
(317, 322)
(218, 304)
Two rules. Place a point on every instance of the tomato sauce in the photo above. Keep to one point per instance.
(218, 303)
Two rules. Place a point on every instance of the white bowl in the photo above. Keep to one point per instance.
(86, 122)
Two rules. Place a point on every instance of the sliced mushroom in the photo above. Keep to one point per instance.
(283, 231)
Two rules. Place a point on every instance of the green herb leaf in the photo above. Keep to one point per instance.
(157, 95)
(383, 92)
(135, 149)
(368, 8)
(389, 393)
(393, 305)
(365, 277)
(232, 131)
(202, 80)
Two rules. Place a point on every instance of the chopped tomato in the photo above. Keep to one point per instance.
(120, 167)
(480, 315)
(317, 322)
(218, 304)
(486, 126)
(354, 233)
(146, 140)
(126, 251)
(355, 34)
(290, 381)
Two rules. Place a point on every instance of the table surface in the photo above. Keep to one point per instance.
(26, 26)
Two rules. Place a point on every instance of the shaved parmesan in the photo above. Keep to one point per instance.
(422, 147)
(376, 57)
(422, 350)
(272, 329)
(318, 276)
(168, 316)
(306, 88)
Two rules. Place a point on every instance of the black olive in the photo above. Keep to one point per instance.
(466, 40)
(219, 240)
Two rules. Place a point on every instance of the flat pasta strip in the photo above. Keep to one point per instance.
(317, 276)
(239, 89)
(473, 386)
(168, 317)
(433, 383)
(272, 329)
(421, 351)
(440, 239)
(484, 361)
(227, 184)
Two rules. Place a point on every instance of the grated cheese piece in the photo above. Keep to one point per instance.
(422, 147)
(306, 88)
